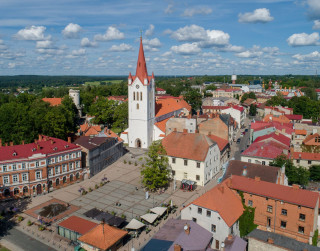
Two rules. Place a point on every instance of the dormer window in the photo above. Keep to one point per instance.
(14, 154)
(66, 146)
(55, 148)
(33, 149)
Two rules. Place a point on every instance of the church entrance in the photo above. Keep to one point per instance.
(138, 143)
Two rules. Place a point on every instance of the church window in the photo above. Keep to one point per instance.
(138, 96)
(134, 95)
(141, 96)
(137, 106)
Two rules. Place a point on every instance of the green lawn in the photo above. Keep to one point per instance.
(94, 83)
(2, 248)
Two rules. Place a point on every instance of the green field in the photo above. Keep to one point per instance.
(94, 83)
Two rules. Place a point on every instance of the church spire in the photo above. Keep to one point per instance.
(141, 71)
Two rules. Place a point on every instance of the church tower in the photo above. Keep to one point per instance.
(141, 98)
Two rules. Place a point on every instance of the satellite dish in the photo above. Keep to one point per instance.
(222, 244)
(185, 227)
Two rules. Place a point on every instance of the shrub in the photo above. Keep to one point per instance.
(101, 183)
(20, 218)
(84, 192)
(29, 223)
(96, 186)
(135, 163)
(123, 216)
(113, 213)
(90, 189)
(129, 162)
(125, 162)
(41, 228)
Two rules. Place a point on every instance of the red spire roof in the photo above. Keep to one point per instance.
(141, 71)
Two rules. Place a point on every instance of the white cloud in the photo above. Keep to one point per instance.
(186, 49)
(197, 11)
(72, 30)
(79, 52)
(316, 25)
(314, 9)
(231, 48)
(11, 65)
(46, 44)
(169, 9)
(207, 38)
(303, 39)
(254, 52)
(313, 56)
(251, 63)
(257, 16)
(33, 33)
(167, 54)
(149, 32)
(152, 44)
(85, 42)
(121, 47)
(112, 33)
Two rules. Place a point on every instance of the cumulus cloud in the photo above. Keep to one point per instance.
(112, 33)
(316, 25)
(151, 44)
(79, 52)
(72, 30)
(149, 32)
(313, 56)
(186, 49)
(169, 9)
(314, 9)
(197, 11)
(85, 42)
(32, 33)
(257, 16)
(254, 52)
(231, 48)
(206, 38)
(303, 39)
(46, 44)
(121, 47)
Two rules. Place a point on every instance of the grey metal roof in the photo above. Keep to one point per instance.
(281, 241)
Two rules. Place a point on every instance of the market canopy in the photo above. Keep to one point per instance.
(149, 217)
(135, 224)
(158, 210)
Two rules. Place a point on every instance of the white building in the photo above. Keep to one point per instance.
(146, 116)
(75, 95)
(218, 211)
(237, 112)
(192, 156)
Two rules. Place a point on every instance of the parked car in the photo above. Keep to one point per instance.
(246, 130)
(238, 141)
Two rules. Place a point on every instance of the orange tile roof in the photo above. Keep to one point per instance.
(300, 132)
(77, 224)
(280, 119)
(53, 101)
(162, 124)
(112, 134)
(310, 140)
(306, 156)
(165, 106)
(84, 127)
(270, 190)
(103, 236)
(222, 143)
(93, 130)
(193, 146)
(222, 200)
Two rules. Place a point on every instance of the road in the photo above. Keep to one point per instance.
(244, 142)
(21, 241)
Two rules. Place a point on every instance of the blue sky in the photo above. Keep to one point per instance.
(101, 37)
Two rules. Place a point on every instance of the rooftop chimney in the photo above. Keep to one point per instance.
(221, 189)
(196, 131)
(0, 142)
(176, 247)
(185, 131)
(186, 229)
(11, 143)
(295, 186)
(69, 140)
(52, 141)
(6, 144)
(256, 178)
(40, 137)
(270, 241)
(38, 147)
(22, 142)
(230, 237)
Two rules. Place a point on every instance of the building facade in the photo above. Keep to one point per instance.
(38, 167)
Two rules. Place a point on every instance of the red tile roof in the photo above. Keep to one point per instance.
(118, 98)
(159, 89)
(47, 145)
(165, 106)
(237, 107)
(306, 156)
(53, 101)
(294, 116)
(193, 146)
(310, 140)
(222, 200)
(222, 143)
(211, 107)
(103, 236)
(279, 192)
(77, 224)
(112, 134)
(275, 136)
(272, 118)
(268, 150)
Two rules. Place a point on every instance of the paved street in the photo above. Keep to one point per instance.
(17, 240)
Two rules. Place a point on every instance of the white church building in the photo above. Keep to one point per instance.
(147, 117)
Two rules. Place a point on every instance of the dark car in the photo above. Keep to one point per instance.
(246, 130)
(238, 141)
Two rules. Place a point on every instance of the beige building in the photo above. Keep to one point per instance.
(305, 159)
(181, 123)
(192, 156)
